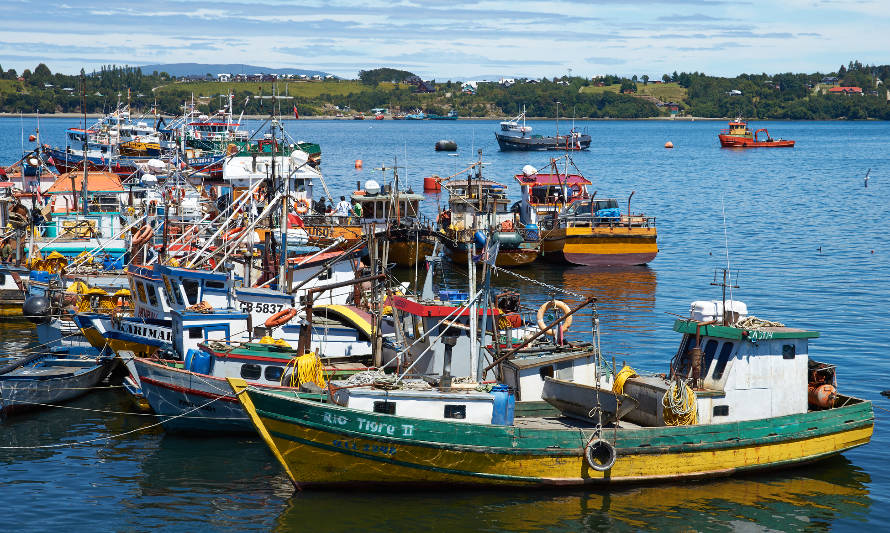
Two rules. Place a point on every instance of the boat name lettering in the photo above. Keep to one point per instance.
(369, 448)
(261, 307)
(339, 419)
(760, 335)
(145, 331)
(380, 427)
(145, 313)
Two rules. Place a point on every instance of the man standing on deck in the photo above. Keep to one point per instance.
(343, 208)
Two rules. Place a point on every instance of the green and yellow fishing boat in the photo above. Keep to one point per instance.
(741, 395)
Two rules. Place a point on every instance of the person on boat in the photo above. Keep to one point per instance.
(7, 252)
(320, 207)
(343, 208)
(357, 209)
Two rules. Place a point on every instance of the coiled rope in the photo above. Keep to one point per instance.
(623, 375)
(679, 406)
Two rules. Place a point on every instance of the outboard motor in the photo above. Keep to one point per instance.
(37, 309)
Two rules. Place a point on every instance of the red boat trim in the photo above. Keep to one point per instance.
(177, 388)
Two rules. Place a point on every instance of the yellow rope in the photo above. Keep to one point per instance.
(623, 375)
(304, 369)
(679, 406)
(310, 369)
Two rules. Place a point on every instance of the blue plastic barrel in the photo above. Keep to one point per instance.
(504, 405)
(201, 363)
(480, 239)
(531, 232)
(189, 355)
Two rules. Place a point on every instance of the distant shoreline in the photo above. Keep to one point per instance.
(332, 117)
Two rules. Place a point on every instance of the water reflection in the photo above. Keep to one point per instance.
(813, 498)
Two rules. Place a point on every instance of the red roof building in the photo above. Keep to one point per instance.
(845, 90)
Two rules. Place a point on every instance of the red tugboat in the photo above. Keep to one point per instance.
(739, 136)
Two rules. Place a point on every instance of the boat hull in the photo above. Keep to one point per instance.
(18, 393)
(329, 446)
(732, 141)
(617, 246)
(509, 143)
(507, 258)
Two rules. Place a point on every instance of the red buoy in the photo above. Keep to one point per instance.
(358, 163)
(822, 395)
(432, 184)
(32, 138)
(669, 144)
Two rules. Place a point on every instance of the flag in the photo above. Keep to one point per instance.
(294, 221)
(296, 115)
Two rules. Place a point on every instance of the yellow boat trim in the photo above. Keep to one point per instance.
(347, 313)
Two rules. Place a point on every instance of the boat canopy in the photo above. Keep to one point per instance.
(552, 179)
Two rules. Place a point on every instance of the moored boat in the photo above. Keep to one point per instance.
(739, 136)
(514, 136)
(743, 403)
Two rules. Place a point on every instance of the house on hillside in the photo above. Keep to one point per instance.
(223, 77)
(830, 80)
(672, 107)
(734, 92)
(420, 86)
(845, 90)
(469, 87)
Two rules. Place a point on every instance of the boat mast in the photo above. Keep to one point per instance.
(83, 187)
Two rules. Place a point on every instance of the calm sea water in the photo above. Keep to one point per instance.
(806, 236)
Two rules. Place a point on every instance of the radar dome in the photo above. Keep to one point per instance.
(372, 187)
(528, 170)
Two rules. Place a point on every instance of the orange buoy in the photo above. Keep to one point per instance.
(358, 163)
(31, 138)
(431, 184)
(669, 144)
(822, 395)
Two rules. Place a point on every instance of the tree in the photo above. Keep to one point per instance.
(666, 78)
(634, 78)
(645, 79)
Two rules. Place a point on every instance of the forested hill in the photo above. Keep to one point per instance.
(854, 91)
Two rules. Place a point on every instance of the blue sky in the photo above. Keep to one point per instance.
(454, 39)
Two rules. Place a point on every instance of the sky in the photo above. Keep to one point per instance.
(453, 39)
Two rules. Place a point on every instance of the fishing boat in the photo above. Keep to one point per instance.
(514, 136)
(49, 378)
(451, 115)
(750, 400)
(579, 229)
(478, 211)
(739, 136)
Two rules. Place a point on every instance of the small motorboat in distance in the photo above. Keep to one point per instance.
(739, 136)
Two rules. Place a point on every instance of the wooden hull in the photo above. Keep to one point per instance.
(508, 258)
(732, 141)
(601, 246)
(409, 253)
(19, 393)
(329, 446)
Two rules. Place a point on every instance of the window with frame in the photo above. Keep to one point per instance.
(458, 412)
(723, 360)
(191, 288)
(384, 407)
(152, 297)
(251, 372)
(273, 373)
(140, 292)
(708, 353)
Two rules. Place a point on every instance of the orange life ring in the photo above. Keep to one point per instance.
(576, 190)
(231, 234)
(280, 318)
(142, 236)
(302, 206)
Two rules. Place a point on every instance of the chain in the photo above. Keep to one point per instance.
(536, 282)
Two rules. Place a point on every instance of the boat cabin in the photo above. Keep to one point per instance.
(543, 194)
(159, 290)
(748, 370)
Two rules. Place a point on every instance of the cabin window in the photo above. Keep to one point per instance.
(721, 410)
(722, 360)
(152, 296)
(456, 411)
(140, 292)
(177, 294)
(196, 333)
(788, 351)
(708, 355)
(215, 285)
(325, 274)
(387, 408)
(252, 372)
(2, 279)
(191, 290)
(546, 371)
(273, 373)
